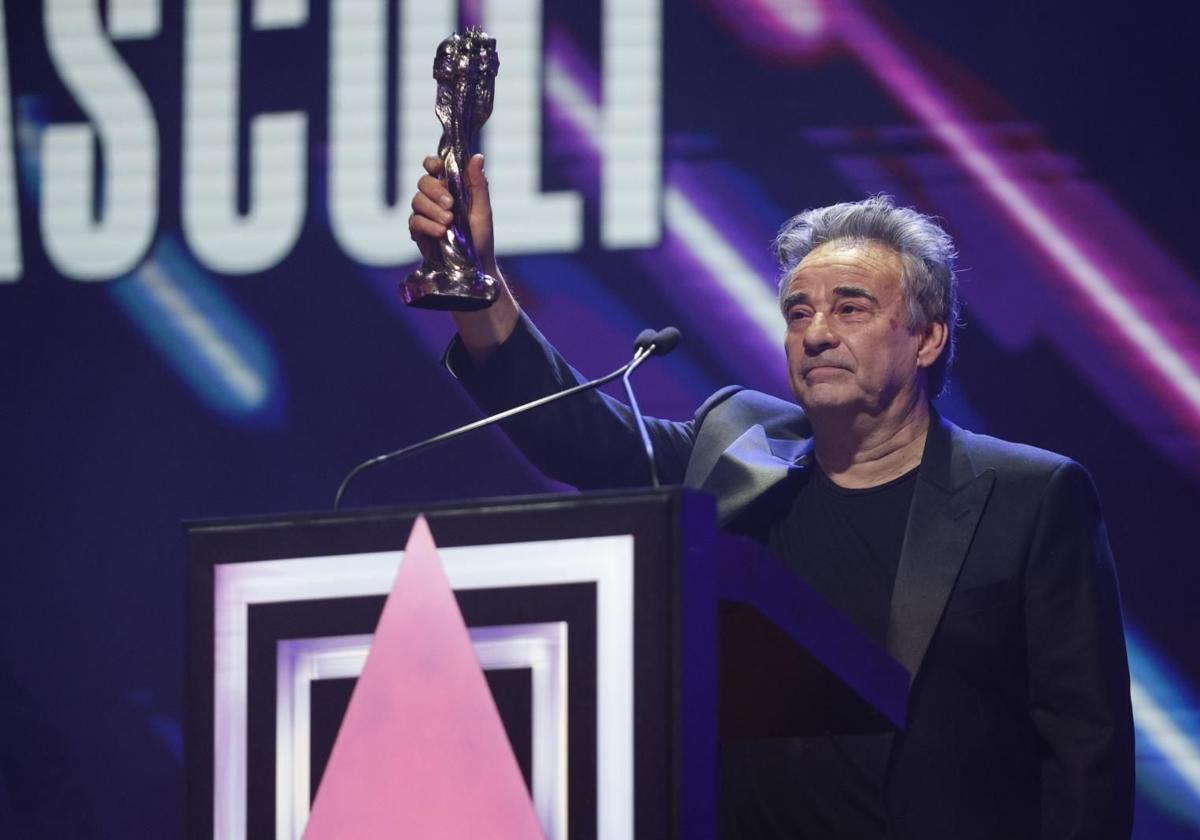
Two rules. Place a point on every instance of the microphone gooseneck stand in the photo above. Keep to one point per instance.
(660, 344)
(649, 343)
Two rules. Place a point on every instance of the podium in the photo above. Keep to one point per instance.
(622, 635)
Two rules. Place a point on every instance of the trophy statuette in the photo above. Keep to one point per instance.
(451, 277)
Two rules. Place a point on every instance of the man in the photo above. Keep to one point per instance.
(982, 566)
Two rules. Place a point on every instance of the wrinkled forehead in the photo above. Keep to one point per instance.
(848, 261)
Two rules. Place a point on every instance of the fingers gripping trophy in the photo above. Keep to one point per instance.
(450, 275)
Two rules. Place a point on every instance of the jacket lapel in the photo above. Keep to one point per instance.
(747, 444)
(947, 504)
(738, 462)
(750, 467)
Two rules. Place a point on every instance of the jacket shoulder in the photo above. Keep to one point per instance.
(1016, 461)
(737, 405)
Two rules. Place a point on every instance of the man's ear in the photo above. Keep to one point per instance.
(931, 343)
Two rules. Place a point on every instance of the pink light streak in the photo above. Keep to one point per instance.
(1112, 296)
(693, 238)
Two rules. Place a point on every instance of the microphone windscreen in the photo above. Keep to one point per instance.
(665, 340)
(645, 339)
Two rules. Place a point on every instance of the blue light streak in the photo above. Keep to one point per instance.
(209, 343)
(1166, 718)
(213, 346)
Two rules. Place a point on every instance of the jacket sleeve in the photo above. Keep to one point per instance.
(589, 440)
(1078, 671)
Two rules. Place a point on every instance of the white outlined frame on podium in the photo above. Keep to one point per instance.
(539, 648)
(606, 562)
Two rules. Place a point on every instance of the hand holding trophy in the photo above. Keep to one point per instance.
(450, 275)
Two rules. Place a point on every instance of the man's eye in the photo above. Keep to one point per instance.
(796, 315)
(850, 308)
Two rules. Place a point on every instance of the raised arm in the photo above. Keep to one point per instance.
(589, 441)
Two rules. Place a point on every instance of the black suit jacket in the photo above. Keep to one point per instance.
(1005, 608)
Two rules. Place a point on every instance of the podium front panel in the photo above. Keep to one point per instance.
(572, 607)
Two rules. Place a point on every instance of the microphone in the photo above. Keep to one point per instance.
(665, 340)
(645, 339)
(648, 343)
(656, 344)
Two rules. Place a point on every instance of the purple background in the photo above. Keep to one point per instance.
(1036, 131)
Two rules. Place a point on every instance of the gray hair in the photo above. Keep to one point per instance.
(926, 253)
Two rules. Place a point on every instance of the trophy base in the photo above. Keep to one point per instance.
(442, 290)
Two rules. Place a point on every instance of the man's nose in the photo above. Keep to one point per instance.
(819, 334)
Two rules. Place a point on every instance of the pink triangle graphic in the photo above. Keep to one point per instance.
(422, 752)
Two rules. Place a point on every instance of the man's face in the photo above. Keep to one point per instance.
(849, 347)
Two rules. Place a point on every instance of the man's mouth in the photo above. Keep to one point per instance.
(824, 366)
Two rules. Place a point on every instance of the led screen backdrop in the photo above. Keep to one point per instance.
(202, 225)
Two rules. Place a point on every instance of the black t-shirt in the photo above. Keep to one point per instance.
(846, 545)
